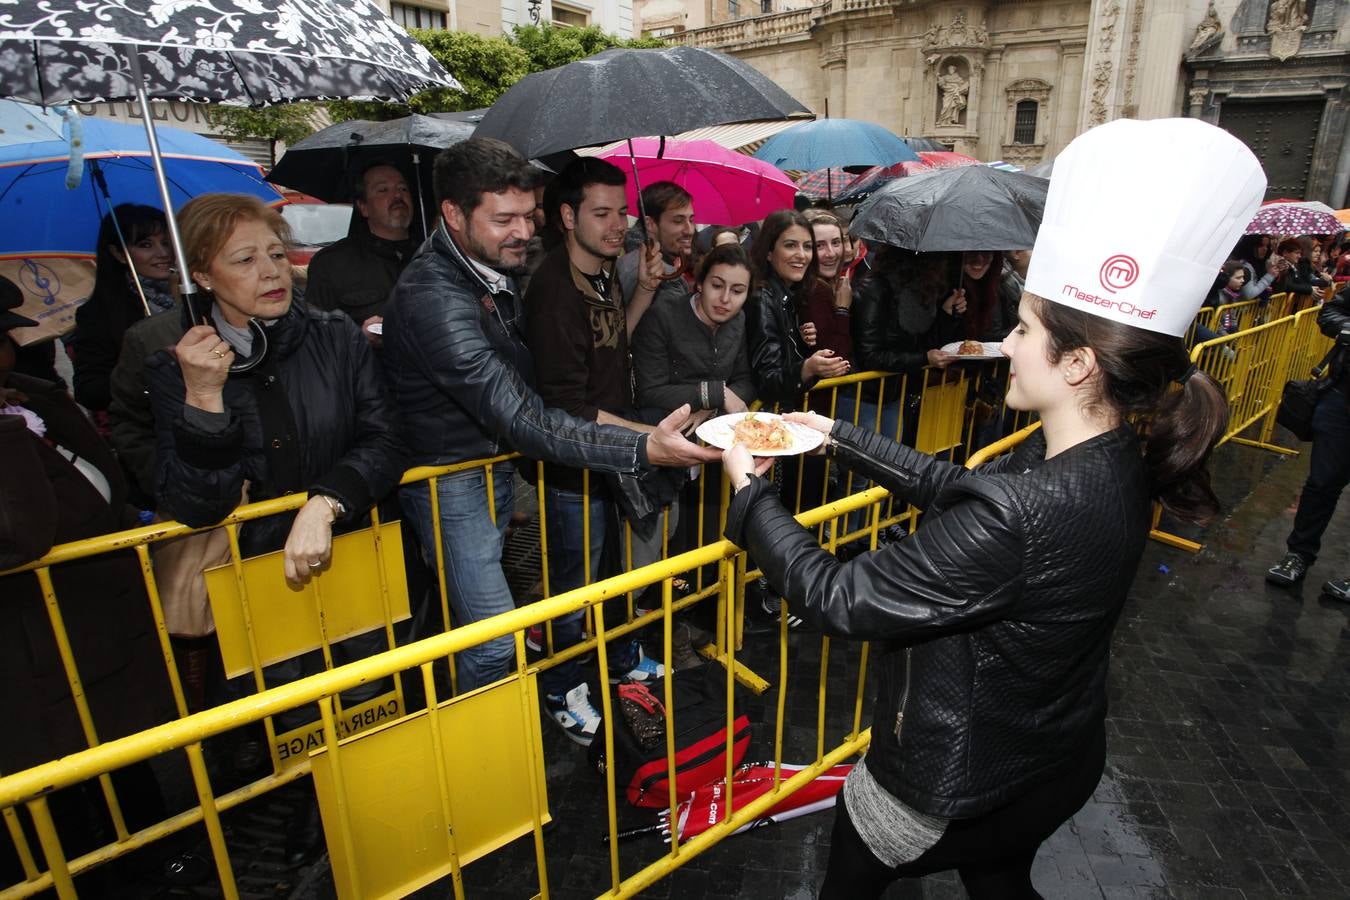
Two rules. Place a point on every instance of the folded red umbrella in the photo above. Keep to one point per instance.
(707, 806)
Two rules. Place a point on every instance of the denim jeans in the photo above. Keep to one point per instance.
(565, 514)
(1328, 473)
(473, 560)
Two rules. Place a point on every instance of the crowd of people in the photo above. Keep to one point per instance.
(391, 355)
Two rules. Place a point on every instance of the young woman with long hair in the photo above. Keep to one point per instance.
(993, 621)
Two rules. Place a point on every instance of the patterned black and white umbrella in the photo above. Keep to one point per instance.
(244, 52)
(239, 52)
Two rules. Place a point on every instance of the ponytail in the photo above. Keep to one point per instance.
(1138, 374)
(1182, 432)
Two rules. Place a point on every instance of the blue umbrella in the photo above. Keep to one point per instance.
(41, 216)
(834, 142)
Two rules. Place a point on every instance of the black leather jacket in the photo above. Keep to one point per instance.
(776, 348)
(891, 327)
(456, 362)
(993, 621)
(313, 417)
(1334, 320)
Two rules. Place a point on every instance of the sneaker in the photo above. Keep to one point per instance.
(574, 714)
(643, 669)
(1288, 571)
(1338, 590)
(534, 638)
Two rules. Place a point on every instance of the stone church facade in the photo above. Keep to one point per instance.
(1018, 79)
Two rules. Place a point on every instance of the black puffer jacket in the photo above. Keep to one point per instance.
(313, 417)
(994, 619)
(776, 348)
(456, 362)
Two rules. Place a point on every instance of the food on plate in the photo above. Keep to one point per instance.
(761, 433)
(970, 348)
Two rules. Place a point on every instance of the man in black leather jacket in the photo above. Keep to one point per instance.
(461, 376)
(1328, 464)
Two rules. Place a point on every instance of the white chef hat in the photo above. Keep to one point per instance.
(1140, 217)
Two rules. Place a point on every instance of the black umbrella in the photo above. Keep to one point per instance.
(620, 93)
(967, 208)
(324, 164)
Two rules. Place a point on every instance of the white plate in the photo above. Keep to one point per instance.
(375, 328)
(720, 432)
(992, 350)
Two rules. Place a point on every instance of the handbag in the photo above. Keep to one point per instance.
(180, 564)
(1299, 400)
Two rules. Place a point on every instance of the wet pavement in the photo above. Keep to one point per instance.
(1228, 771)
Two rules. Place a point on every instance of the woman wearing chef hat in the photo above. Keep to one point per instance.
(994, 619)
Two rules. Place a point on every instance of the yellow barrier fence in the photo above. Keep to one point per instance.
(354, 759)
(1250, 365)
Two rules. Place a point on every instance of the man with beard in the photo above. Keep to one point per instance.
(461, 377)
(669, 219)
(578, 335)
(355, 274)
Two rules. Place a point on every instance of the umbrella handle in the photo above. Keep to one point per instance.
(631, 833)
(260, 349)
(676, 272)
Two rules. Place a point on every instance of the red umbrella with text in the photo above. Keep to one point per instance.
(707, 806)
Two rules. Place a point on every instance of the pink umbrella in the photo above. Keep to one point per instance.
(728, 188)
(1295, 217)
(946, 159)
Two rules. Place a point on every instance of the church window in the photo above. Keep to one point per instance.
(1024, 125)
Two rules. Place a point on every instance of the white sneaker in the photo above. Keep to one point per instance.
(574, 714)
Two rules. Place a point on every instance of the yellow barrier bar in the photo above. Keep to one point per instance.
(438, 753)
(72, 672)
(20, 840)
(51, 848)
(255, 658)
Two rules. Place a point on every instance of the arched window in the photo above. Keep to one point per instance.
(1024, 126)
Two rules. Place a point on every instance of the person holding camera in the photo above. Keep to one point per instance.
(1329, 461)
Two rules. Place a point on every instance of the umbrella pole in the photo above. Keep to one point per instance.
(421, 203)
(637, 184)
(189, 287)
(102, 183)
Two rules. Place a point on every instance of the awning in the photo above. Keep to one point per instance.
(743, 137)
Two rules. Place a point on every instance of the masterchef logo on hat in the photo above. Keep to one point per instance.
(1118, 272)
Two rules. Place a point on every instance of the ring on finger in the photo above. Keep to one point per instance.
(314, 564)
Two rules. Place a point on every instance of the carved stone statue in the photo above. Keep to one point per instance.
(1288, 20)
(1207, 32)
(1287, 15)
(954, 91)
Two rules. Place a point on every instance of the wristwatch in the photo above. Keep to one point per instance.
(339, 510)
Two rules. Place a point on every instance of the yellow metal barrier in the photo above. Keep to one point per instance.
(941, 425)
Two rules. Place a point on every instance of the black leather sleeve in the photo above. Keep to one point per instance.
(454, 355)
(200, 474)
(373, 461)
(769, 356)
(876, 345)
(1335, 316)
(961, 570)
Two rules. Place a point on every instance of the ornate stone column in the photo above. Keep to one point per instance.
(1105, 55)
(1158, 75)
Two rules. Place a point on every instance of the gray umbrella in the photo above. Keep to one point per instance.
(324, 164)
(621, 93)
(966, 208)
